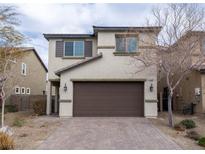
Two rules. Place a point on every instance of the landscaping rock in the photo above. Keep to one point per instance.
(193, 135)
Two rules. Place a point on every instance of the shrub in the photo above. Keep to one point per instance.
(201, 141)
(188, 123)
(11, 108)
(193, 135)
(179, 127)
(6, 142)
(18, 122)
(39, 107)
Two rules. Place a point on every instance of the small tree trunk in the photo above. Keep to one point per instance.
(170, 115)
(2, 112)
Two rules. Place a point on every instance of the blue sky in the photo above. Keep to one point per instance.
(37, 19)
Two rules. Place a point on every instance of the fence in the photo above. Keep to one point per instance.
(25, 102)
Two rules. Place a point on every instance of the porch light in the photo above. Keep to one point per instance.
(65, 87)
(151, 88)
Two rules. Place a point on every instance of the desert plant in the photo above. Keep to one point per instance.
(11, 108)
(179, 127)
(193, 135)
(188, 123)
(6, 142)
(201, 141)
(39, 107)
(18, 122)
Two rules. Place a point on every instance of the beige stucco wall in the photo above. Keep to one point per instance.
(108, 38)
(56, 63)
(35, 78)
(203, 92)
(110, 68)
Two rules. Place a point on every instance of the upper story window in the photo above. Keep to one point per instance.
(74, 48)
(126, 43)
(23, 69)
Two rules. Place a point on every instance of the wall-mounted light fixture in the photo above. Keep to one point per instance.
(151, 88)
(65, 87)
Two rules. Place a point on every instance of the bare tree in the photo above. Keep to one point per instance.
(175, 52)
(10, 38)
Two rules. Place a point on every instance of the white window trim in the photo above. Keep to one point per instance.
(74, 48)
(22, 68)
(19, 89)
(24, 90)
(28, 93)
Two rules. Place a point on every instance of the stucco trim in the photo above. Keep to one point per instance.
(108, 80)
(58, 72)
(151, 100)
(65, 101)
(105, 47)
(126, 53)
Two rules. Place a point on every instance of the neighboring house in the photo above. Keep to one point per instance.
(29, 74)
(192, 89)
(93, 74)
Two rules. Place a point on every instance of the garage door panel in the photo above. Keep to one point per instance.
(108, 99)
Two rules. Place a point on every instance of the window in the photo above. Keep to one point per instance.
(17, 90)
(28, 91)
(126, 43)
(23, 69)
(22, 90)
(74, 48)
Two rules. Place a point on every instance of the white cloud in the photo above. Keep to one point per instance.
(75, 18)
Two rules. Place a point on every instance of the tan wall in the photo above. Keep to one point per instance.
(56, 63)
(110, 67)
(203, 92)
(185, 92)
(35, 78)
(108, 38)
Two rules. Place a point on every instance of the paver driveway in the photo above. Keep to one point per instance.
(108, 133)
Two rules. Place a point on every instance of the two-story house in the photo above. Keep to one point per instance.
(93, 75)
(28, 74)
(191, 90)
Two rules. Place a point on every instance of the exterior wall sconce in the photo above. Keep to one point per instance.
(65, 88)
(151, 88)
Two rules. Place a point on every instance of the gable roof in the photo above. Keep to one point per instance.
(85, 61)
(26, 49)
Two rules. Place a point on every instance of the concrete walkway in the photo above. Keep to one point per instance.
(108, 133)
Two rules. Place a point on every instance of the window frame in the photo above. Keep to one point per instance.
(19, 89)
(27, 91)
(24, 90)
(25, 69)
(74, 48)
(126, 36)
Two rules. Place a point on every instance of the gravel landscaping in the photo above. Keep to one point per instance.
(34, 129)
(180, 137)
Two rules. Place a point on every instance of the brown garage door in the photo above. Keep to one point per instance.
(125, 99)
